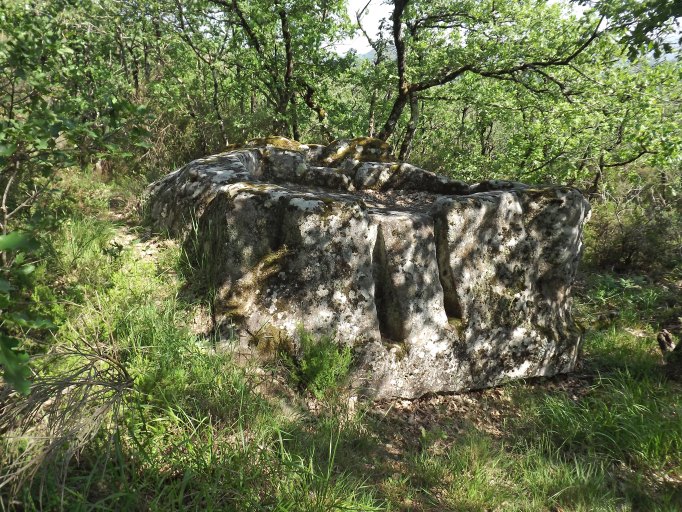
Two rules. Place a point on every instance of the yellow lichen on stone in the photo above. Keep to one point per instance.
(271, 263)
(363, 149)
(259, 187)
(540, 191)
(455, 322)
(271, 341)
(399, 349)
(268, 266)
(274, 141)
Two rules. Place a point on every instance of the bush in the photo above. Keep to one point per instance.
(321, 364)
(16, 319)
(637, 225)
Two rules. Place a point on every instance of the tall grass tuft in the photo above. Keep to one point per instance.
(622, 418)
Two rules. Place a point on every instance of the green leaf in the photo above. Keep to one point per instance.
(42, 144)
(7, 149)
(15, 364)
(21, 319)
(13, 241)
(38, 323)
(5, 286)
(27, 269)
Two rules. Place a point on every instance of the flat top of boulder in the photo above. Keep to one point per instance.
(362, 149)
(361, 170)
(273, 141)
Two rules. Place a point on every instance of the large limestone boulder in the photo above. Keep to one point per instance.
(436, 285)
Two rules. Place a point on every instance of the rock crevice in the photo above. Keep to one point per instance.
(437, 285)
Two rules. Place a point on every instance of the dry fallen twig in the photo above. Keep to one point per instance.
(64, 411)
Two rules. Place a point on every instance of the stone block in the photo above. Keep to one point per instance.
(437, 285)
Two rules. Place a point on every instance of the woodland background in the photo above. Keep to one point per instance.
(110, 399)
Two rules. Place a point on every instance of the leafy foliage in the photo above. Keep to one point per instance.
(321, 364)
(647, 25)
(57, 107)
(16, 319)
(638, 224)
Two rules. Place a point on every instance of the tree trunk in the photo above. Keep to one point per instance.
(594, 188)
(393, 118)
(286, 97)
(403, 90)
(122, 53)
(294, 119)
(216, 107)
(406, 146)
(372, 107)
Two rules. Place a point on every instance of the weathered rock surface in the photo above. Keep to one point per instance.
(437, 285)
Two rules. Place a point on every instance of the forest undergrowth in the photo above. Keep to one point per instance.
(134, 408)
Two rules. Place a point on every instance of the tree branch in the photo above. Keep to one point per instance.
(630, 160)
(509, 71)
(233, 6)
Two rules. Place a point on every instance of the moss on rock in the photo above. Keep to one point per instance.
(362, 149)
(274, 141)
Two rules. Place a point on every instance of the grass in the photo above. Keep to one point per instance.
(194, 430)
(320, 366)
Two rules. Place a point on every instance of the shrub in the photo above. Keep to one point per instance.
(637, 226)
(16, 319)
(321, 364)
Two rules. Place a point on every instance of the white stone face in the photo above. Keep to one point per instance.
(437, 285)
(306, 204)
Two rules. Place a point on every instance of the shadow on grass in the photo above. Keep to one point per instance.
(608, 438)
(203, 439)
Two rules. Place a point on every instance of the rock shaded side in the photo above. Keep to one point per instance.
(408, 292)
(282, 258)
(507, 262)
(437, 285)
